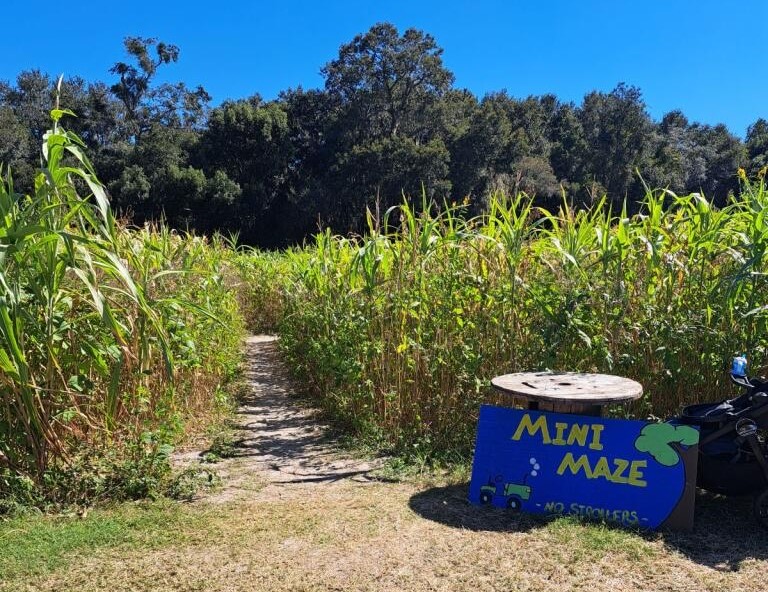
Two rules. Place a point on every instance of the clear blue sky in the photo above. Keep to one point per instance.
(705, 57)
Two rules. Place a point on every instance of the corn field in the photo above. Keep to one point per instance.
(399, 332)
(114, 338)
(109, 337)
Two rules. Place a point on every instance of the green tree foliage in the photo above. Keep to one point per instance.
(568, 148)
(324, 155)
(248, 141)
(616, 131)
(23, 122)
(477, 148)
(694, 158)
(145, 104)
(389, 83)
(757, 145)
(387, 138)
(389, 168)
(508, 145)
(723, 154)
(388, 125)
(15, 143)
(151, 151)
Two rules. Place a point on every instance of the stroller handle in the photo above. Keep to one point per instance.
(742, 381)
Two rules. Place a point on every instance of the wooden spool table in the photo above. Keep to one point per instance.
(567, 392)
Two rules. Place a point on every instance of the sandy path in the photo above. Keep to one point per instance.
(296, 514)
(278, 441)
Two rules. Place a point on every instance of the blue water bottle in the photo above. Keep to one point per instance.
(739, 366)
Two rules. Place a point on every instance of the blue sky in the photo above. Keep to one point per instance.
(704, 57)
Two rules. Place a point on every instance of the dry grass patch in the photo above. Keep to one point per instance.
(349, 536)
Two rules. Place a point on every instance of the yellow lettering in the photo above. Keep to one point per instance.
(575, 466)
(618, 474)
(559, 440)
(635, 475)
(596, 431)
(532, 428)
(578, 434)
(601, 469)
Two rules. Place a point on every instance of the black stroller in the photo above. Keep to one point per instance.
(733, 454)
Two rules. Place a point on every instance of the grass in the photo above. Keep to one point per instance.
(597, 540)
(406, 536)
(35, 545)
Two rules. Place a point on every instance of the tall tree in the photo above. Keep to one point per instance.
(476, 148)
(24, 118)
(568, 148)
(617, 130)
(388, 81)
(722, 154)
(388, 136)
(677, 161)
(16, 148)
(249, 142)
(144, 104)
(757, 145)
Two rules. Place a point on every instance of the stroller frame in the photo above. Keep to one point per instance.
(731, 428)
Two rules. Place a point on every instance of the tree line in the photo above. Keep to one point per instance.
(389, 122)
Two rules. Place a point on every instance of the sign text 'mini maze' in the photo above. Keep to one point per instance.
(631, 472)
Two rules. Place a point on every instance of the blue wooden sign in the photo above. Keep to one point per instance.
(633, 473)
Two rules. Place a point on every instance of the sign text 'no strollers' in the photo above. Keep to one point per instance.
(630, 472)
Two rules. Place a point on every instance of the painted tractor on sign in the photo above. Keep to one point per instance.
(514, 494)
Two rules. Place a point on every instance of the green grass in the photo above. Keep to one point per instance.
(382, 537)
(39, 544)
(595, 539)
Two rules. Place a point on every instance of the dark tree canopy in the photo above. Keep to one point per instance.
(388, 81)
(388, 125)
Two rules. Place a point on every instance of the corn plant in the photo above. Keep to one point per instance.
(107, 334)
(398, 332)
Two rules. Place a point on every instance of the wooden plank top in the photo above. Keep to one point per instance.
(569, 387)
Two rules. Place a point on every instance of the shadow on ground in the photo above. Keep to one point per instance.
(449, 506)
(277, 435)
(725, 532)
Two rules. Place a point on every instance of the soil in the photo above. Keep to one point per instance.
(281, 446)
(298, 513)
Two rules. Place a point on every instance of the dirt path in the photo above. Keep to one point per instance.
(279, 442)
(295, 513)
